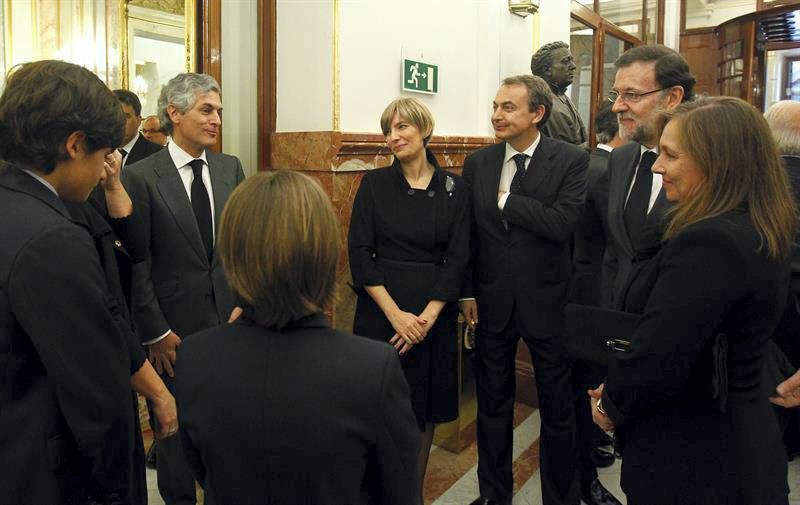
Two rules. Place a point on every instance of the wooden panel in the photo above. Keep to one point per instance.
(701, 51)
(209, 43)
(266, 81)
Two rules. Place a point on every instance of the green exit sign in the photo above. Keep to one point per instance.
(420, 77)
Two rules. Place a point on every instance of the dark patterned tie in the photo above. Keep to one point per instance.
(635, 213)
(516, 182)
(124, 153)
(202, 207)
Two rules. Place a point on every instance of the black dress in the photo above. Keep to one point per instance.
(687, 398)
(415, 243)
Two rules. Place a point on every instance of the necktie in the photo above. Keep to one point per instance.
(124, 153)
(516, 182)
(635, 213)
(201, 206)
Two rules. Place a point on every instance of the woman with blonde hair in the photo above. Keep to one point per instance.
(408, 244)
(273, 407)
(686, 397)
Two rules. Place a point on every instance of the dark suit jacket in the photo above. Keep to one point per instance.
(590, 236)
(66, 417)
(621, 253)
(786, 335)
(714, 278)
(310, 415)
(528, 263)
(141, 150)
(176, 287)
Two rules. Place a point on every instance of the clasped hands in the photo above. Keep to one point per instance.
(409, 329)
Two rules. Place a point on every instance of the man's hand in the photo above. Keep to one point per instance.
(112, 167)
(788, 392)
(598, 416)
(162, 353)
(166, 414)
(470, 310)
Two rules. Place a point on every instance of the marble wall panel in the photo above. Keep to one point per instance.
(339, 160)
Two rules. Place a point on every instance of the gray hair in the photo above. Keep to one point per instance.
(181, 91)
(784, 120)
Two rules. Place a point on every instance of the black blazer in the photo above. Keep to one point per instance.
(590, 236)
(621, 254)
(66, 416)
(713, 279)
(786, 333)
(527, 262)
(141, 149)
(306, 415)
(176, 287)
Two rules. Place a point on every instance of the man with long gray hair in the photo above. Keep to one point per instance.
(178, 195)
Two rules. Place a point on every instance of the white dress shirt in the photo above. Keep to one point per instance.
(127, 147)
(655, 188)
(181, 159)
(510, 169)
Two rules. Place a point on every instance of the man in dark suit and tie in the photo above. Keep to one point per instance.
(527, 194)
(178, 195)
(649, 79)
(134, 146)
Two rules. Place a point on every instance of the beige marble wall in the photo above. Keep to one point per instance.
(338, 160)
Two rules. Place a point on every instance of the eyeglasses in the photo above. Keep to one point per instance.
(147, 131)
(629, 96)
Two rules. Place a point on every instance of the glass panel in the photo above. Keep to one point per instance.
(627, 14)
(793, 85)
(614, 47)
(702, 13)
(652, 21)
(581, 44)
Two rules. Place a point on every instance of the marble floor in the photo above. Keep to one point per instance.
(452, 478)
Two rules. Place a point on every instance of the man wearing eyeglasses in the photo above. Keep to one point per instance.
(649, 79)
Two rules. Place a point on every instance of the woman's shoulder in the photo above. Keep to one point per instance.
(730, 234)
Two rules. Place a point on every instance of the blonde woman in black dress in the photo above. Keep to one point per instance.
(408, 246)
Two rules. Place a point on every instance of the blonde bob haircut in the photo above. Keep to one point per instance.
(732, 145)
(279, 243)
(411, 110)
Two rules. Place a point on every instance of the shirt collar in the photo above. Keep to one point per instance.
(605, 147)
(130, 144)
(181, 158)
(41, 179)
(644, 149)
(511, 152)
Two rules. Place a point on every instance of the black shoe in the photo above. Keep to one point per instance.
(150, 457)
(486, 501)
(595, 494)
(602, 457)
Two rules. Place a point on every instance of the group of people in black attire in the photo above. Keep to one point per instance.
(277, 407)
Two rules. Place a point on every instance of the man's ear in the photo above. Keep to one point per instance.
(75, 145)
(174, 114)
(674, 96)
(539, 114)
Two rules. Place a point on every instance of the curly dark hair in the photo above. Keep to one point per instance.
(542, 59)
(46, 101)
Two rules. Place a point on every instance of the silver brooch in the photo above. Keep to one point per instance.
(449, 185)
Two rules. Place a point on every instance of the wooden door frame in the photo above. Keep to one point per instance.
(267, 102)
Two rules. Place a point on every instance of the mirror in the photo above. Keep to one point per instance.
(783, 76)
(158, 43)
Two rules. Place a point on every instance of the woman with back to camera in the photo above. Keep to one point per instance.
(274, 407)
(408, 244)
(686, 397)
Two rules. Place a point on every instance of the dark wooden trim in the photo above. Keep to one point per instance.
(778, 46)
(683, 17)
(209, 45)
(586, 15)
(267, 102)
(661, 8)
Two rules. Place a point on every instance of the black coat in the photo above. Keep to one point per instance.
(141, 149)
(66, 419)
(527, 263)
(306, 415)
(710, 300)
(621, 255)
(588, 285)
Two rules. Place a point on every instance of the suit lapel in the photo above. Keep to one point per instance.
(172, 190)
(540, 163)
(623, 182)
(221, 185)
(492, 172)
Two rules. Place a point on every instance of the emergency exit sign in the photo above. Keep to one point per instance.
(420, 77)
